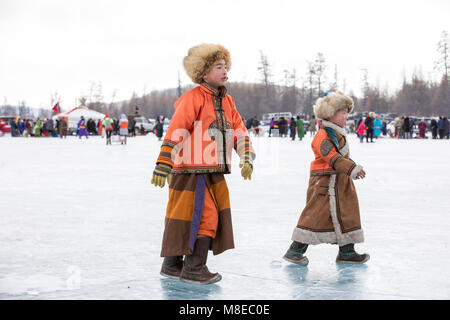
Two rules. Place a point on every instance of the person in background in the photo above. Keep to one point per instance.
(2, 128)
(82, 130)
(384, 127)
(401, 128)
(283, 127)
(446, 128)
(123, 128)
(255, 126)
(14, 129)
(361, 131)
(108, 125)
(377, 126)
(159, 127)
(312, 126)
(422, 128)
(100, 128)
(407, 127)
(352, 126)
(38, 128)
(29, 128)
(441, 128)
(433, 127)
(22, 128)
(369, 126)
(293, 128)
(132, 127)
(271, 126)
(91, 127)
(142, 130)
(63, 128)
(300, 128)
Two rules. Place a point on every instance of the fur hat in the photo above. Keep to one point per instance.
(332, 102)
(202, 57)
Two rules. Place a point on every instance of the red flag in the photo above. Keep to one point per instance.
(56, 108)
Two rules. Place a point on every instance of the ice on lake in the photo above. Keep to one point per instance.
(80, 220)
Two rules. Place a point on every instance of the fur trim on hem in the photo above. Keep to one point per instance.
(336, 237)
(313, 238)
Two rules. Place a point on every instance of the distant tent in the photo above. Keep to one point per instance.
(74, 115)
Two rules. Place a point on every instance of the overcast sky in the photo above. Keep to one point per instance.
(126, 45)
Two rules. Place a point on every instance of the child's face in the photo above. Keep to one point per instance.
(340, 118)
(217, 75)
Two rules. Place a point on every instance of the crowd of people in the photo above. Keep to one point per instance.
(405, 127)
(368, 128)
(107, 127)
(284, 127)
(30, 127)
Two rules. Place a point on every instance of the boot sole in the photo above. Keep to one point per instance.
(214, 279)
(353, 262)
(302, 262)
(169, 276)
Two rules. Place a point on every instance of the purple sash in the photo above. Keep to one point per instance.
(198, 209)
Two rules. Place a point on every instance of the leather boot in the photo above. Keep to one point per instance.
(172, 266)
(348, 255)
(194, 266)
(295, 253)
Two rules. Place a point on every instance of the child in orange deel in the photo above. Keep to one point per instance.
(194, 157)
(331, 214)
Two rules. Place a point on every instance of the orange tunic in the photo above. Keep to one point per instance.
(203, 131)
(198, 145)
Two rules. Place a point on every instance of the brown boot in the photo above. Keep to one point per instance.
(194, 267)
(348, 255)
(295, 253)
(172, 266)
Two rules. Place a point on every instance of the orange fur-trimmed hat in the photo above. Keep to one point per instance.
(201, 58)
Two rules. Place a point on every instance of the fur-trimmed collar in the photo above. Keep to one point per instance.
(334, 126)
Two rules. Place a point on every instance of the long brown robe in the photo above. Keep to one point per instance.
(331, 214)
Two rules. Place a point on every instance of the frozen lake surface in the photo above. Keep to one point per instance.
(80, 220)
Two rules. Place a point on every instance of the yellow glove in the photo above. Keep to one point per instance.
(161, 172)
(247, 168)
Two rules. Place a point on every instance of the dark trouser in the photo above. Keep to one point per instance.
(369, 135)
(441, 133)
(108, 136)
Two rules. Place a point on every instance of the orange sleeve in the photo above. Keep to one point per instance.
(186, 111)
(241, 138)
(327, 151)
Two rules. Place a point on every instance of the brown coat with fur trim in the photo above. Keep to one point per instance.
(331, 214)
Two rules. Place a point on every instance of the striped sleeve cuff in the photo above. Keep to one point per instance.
(167, 153)
(244, 149)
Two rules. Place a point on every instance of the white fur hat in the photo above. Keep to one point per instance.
(332, 102)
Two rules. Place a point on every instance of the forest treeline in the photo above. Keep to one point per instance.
(417, 96)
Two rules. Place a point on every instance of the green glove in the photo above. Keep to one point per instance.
(247, 168)
(161, 172)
